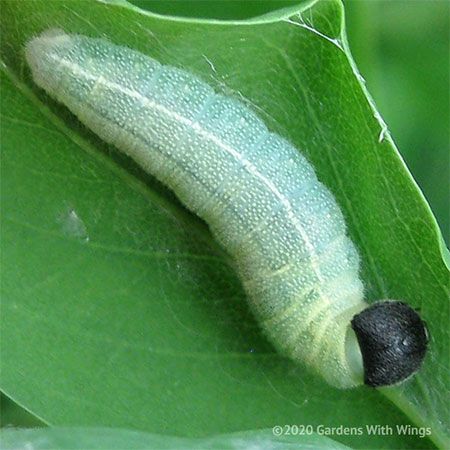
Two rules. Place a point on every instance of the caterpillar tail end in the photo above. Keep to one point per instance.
(40, 54)
(393, 342)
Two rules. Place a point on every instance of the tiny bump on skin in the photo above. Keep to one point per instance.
(393, 341)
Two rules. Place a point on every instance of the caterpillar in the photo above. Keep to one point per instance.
(259, 195)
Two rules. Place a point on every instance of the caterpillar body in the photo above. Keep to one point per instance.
(258, 194)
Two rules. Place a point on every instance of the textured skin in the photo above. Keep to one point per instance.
(259, 195)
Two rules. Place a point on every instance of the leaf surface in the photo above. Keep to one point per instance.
(118, 439)
(119, 309)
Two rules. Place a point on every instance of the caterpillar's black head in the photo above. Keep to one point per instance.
(393, 341)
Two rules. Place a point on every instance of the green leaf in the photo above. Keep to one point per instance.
(117, 439)
(119, 309)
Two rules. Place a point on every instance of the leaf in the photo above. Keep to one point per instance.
(118, 307)
(116, 439)
(13, 415)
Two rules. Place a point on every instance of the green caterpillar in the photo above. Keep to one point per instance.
(259, 195)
